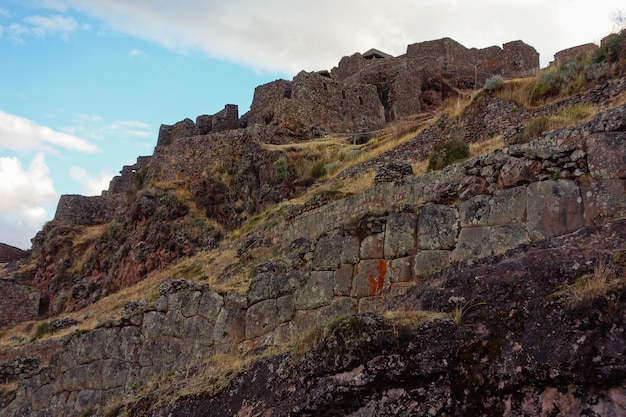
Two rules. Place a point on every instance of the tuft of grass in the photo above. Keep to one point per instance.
(42, 329)
(461, 307)
(589, 288)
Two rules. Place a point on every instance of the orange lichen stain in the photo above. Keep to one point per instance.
(377, 278)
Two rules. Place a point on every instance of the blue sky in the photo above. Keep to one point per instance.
(85, 84)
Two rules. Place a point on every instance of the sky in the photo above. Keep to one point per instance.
(86, 84)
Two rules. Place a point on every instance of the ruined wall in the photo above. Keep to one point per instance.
(19, 303)
(78, 210)
(125, 181)
(319, 101)
(574, 52)
(10, 253)
(512, 60)
(357, 252)
(226, 119)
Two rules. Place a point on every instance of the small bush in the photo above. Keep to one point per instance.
(42, 330)
(318, 170)
(280, 168)
(494, 83)
(139, 177)
(610, 52)
(448, 153)
(533, 129)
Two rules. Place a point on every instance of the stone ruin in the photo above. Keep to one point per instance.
(224, 120)
(412, 83)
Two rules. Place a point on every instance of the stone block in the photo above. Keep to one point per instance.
(286, 308)
(316, 292)
(350, 250)
(507, 237)
(474, 243)
(173, 324)
(199, 329)
(399, 270)
(160, 351)
(267, 285)
(475, 211)
(507, 206)
(428, 262)
(370, 278)
(606, 155)
(230, 326)
(261, 318)
(400, 235)
(328, 250)
(554, 208)
(604, 201)
(210, 304)
(152, 325)
(372, 246)
(343, 280)
(437, 227)
(504, 207)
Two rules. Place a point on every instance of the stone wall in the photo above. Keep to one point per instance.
(226, 119)
(411, 83)
(355, 252)
(125, 182)
(514, 59)
(574, 52)
(19, 303)
(313, 99)
(78, 210)
(10, 253)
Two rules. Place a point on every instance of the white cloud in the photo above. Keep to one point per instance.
(274, 36)
(20, 134)
(95, 127)
(137, 53)
(25, 193)
(91, 185)
(54, 24)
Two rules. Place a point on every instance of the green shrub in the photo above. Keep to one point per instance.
(494, 83)
(280, 168)
(139, 177)
(448, 153)
(318, 170)
(610, 51)
(42, 330)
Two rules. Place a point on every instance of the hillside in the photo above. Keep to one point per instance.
(385, 238)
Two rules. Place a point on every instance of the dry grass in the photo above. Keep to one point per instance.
(588, 288)
(486, 146)
(516, 90)
(413, 318)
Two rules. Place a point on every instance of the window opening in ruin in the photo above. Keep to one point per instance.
(360, 100)
(343, 94)
(325, 87)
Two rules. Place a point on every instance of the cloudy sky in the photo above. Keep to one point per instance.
(85, 84)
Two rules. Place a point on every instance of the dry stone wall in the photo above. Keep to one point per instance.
(20, 303)
(313, 99)
(79, 210)
(355, 253)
